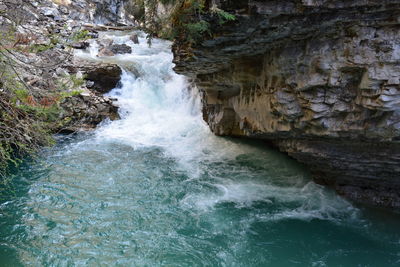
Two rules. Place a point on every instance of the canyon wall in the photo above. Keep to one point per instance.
(320, 79)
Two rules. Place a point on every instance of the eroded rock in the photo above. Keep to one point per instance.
(327, 93)
(105, 76)
(85, 111)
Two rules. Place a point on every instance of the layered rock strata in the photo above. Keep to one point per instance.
(320, 79)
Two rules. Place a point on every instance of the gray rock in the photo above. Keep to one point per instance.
(89, 84)
(61, 72)
(64, 10)
(50, 12)
(80, 45)
(104, 76)
(120, 49)
(105, 42)
(105, 52)
(326, 93)
(85, 111)
(134, 38)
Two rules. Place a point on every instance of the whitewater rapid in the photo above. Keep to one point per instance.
(157, 188)
(159, 109)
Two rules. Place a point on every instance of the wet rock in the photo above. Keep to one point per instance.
(105, 52)
(134, 38)
(80, 45)
(120, 49)
(113, 49)
(105, 76)
(105, 42)
(327, 94)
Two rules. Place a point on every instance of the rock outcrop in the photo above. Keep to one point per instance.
(320, 79)
(103, 76)
(46, 65)
(85, 111)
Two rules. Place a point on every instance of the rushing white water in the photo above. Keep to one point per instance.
(159, 110)
(157, 188)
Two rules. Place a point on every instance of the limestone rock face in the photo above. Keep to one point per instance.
(320, 79)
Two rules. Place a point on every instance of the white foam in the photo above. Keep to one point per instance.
(157, 107)
(158, 110)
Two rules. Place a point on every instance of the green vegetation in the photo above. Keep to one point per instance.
(30, 108)
(26, 122)
(190, 20)
(80, 35)
(196, 31)
(224, 16)
(27, 116)
(38, 48)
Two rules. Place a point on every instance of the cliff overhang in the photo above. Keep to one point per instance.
(319, 79)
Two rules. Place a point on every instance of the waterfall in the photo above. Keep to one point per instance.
(157, 188)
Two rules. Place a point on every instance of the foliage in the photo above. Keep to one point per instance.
(190, 20)
(22, 132)
(80, 35)
(224, 16)
(38, 48)
(195, 31)
(69, 82)
(28, 115)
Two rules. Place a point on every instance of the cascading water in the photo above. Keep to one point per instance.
(156, 188)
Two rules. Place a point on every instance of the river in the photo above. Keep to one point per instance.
(157, 188)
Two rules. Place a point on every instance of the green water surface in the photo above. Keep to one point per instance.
(87, 203)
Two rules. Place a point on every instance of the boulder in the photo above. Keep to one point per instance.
(134, 38)
(120, 49)
(80, 45)
(85, 111)
(105, 52)
(105, 42)
(103, 76)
